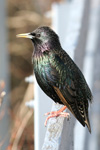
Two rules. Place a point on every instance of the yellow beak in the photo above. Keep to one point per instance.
(25, 35)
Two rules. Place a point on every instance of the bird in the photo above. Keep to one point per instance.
(58, 75)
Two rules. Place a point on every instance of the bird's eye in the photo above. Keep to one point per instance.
(38, 35)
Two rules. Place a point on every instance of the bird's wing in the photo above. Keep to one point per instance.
(72, 106)
(62, 80)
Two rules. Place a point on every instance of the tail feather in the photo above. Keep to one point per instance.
(87, 122)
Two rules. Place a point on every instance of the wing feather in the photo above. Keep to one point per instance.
(73, 107)
(66, 82)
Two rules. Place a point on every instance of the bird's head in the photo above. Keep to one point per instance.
(43, 37)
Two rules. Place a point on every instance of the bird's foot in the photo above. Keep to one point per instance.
(56, 114)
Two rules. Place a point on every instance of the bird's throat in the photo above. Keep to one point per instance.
(40, 49)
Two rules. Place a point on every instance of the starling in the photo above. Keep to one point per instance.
(58, 76)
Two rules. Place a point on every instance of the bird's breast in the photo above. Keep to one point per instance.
(40, 64)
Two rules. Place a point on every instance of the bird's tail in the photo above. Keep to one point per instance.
(87, 122)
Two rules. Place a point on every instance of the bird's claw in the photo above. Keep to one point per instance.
(65, 114)
(55, 114)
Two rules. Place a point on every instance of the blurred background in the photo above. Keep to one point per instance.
(18, 17)
(22, 16)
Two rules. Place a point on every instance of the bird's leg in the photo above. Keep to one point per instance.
(59, 111)
(56, 114)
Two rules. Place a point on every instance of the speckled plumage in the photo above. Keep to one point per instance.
(58, 76)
